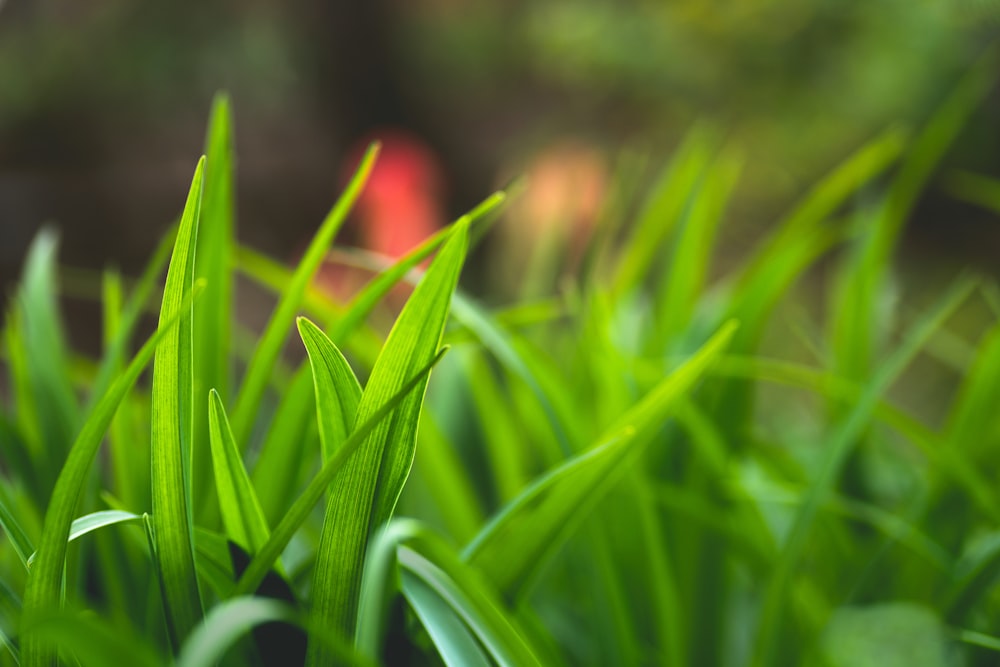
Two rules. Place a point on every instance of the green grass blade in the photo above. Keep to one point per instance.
(241, 512)
(513, 547)
(337, 389)
(42, 592)
(214, 311)
(303, 506)
(365, 494)
(450, 598)
(835, 452)
(172, 419)
(438, 567)
(91, 522)
(269, 347)
(454, 641)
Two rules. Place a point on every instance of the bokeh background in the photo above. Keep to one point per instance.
(103, 106)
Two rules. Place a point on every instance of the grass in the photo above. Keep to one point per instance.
(650, 467)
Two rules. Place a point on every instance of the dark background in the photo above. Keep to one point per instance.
(103, 104)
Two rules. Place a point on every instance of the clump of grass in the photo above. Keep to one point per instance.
(596, 479)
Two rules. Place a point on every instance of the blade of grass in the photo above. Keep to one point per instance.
(303, 506)
(241, 512)
(42, 591)
(364, 495)
(172, 424)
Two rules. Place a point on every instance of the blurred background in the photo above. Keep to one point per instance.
(103, 107)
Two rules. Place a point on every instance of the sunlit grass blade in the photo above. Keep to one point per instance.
(303, 506)
(269, 347)
(172, 430)
(835, 453)
(93, 521)
(213, 313)
(514, 546)
(338, 392)
(42, 592)
(454, 642)
(241, 512)
(364, 495)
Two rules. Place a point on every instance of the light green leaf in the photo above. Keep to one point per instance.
(303, 506)
(42, 592)
(364, 495)
(91, 522)
(241, 512)
(337, 389)
(172, 430)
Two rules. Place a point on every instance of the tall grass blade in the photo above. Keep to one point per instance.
(364, 495)
(42, 592)
(303, 506)
(173, 429)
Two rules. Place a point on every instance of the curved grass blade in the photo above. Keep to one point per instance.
(514, 546)
(835, 454)
(232, 619)
(241, 512)
(338, 392)
(172, 407)
(18, 538)
(269, 347)
(448, 596)
(303, 506)
(42, 591)
(91, 522)
(364, 495)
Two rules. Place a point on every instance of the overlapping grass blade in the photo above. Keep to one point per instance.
(463, 615)
(303, 506)
(364, 495)
(93, 521)
(269, 347)
(173, 430)
(338, 392)
(835, 453)
(18, 538)
(241, 512)
(513, 547)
